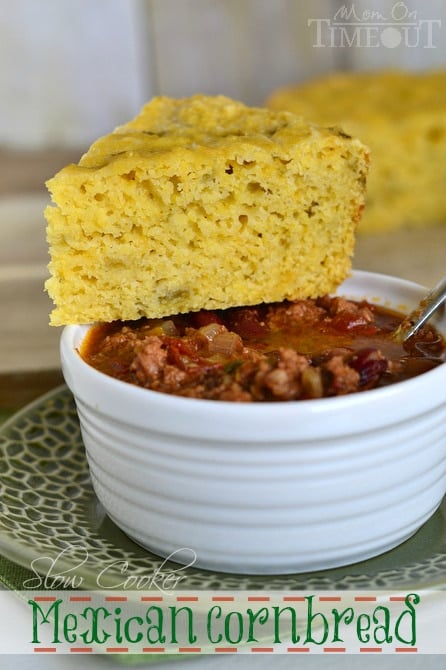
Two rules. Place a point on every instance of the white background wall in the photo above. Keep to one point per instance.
(71, 70)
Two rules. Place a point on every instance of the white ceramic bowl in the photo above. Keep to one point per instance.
(261, 488)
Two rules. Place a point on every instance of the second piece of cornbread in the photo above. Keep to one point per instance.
(203, 203)
(401, 116)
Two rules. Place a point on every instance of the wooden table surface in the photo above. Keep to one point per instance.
(29, 356)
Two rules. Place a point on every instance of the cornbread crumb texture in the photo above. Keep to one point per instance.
(401, 116)
(202, 203)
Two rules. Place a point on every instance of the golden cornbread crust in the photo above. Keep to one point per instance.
(401, 116)
(202, 203)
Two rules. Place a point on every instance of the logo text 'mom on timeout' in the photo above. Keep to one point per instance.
(368, 28)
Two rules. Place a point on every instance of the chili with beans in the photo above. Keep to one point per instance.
(277, 352)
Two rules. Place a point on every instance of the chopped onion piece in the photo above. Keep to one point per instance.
(226, 343)
(169, 328)
(161, 327)
(312, 382)
(210, 330)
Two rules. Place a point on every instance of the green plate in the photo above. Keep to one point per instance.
(52, 522)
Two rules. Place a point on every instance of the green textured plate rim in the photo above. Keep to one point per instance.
(49, 512)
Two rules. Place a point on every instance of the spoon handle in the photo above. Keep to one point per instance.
(413, 321)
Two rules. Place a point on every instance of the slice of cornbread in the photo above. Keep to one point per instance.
(401, 116)
(202, 203)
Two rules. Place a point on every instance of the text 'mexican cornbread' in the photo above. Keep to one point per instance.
(203, 203)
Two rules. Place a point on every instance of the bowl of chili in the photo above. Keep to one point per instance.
(270, 439)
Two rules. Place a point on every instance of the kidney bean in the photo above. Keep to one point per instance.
(247, 322)
(204, 318)
(370, 364)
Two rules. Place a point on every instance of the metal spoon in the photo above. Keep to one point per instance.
(426, 308)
